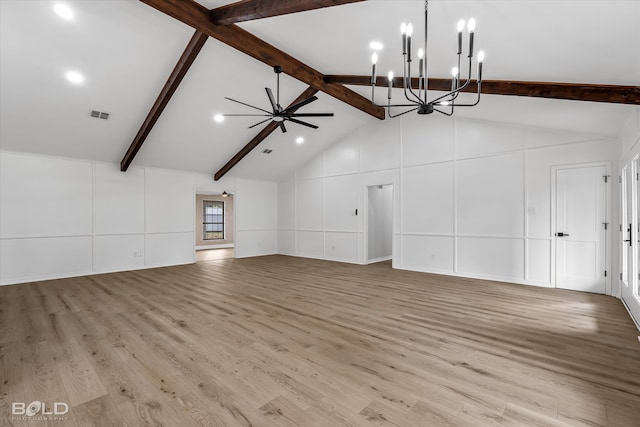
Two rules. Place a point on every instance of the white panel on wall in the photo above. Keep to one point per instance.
(169, 249)
(491, 257)
(310, 204)
(427, 253)
(256, 205)
(121, 252)
(256, 243)
(287, 242)
(428, 199)
(341, 246)
(535, 138)
(343, 157)
(41, 258)
(119, 200)
(342, 200)
(426, 140)
(490, 194)
(310, 243)
(631, 131)
(539, 260)
(45, 196)
(475, 138)
(287, 205)
(313, 169)
(380, 145)
(169, 201)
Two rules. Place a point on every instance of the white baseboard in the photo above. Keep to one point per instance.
(222, 246)
(384, 258)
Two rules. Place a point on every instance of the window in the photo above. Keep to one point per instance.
(212, 220)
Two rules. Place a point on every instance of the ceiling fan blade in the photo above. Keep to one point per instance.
(244, 103)
(247, 115)
(284, 129)
(302, 123)
(272, 99)
(301, 104)
(259, 123)
(311, 115)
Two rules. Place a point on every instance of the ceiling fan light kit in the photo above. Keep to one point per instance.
(279, 114)
(417, 97)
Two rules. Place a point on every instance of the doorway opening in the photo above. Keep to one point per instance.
(379, 223)
(214, 236)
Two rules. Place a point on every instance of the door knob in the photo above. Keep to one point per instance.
(562, 235)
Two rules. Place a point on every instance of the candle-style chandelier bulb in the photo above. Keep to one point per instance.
(374, 58)
(471, 26)
(416, 90)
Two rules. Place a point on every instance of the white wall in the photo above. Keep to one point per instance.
(631, 152)
(471, 198)
(65, 217)
(256, 206)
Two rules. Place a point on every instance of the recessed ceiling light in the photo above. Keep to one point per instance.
(218, 118)
(299, 140)
(75, 77)
(63, 10)
(375, 45)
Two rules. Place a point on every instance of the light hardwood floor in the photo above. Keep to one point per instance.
(280, 341)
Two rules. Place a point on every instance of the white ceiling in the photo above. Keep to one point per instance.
(126, 50)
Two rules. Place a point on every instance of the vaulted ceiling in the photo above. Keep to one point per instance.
(126, 50)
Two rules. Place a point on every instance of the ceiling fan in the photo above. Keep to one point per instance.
(279, 114)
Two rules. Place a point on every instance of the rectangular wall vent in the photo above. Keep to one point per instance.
(99, 114)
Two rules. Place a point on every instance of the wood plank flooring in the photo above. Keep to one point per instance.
(280, 341)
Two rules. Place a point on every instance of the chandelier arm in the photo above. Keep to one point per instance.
(470, 105)
(406, 70)
(411, 89)
(453, 92)
(445, 113)
(401, 114)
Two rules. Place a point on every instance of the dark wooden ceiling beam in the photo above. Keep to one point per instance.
(248, 10)
(180, 70)
(264, 133)
(571, 91)
(197, 16)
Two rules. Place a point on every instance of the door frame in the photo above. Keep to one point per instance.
(607, 213)
(213, 190)
(365, 240)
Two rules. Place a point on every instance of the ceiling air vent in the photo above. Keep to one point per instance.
(267, 151)
(99, 114)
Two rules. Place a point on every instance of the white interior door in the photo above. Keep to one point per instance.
(580, 230)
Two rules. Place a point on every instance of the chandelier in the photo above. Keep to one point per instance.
(416, 90)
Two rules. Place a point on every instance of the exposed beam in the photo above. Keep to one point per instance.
(248, 10)
(268, 130)
(197, 16)
(571, 91)
(188, 56)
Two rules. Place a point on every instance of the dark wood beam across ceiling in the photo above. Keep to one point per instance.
(248, 10)
(197, 16)
(571, 91)
(180, 70)
(268, 130)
